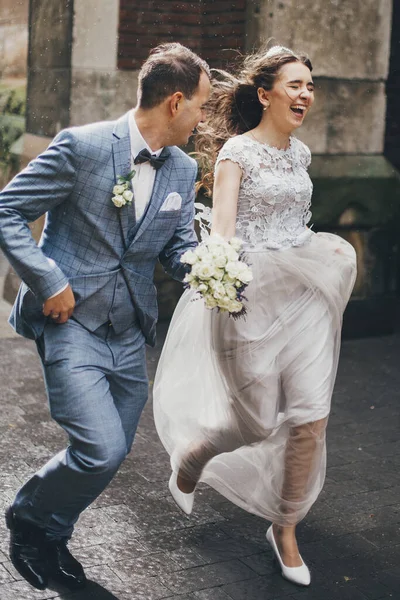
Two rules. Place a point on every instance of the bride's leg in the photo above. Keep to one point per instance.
(304, 450)
(192, 466)
(253, 388)
(239, 433)
(200, 453)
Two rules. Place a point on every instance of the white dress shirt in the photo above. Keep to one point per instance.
(143, 180)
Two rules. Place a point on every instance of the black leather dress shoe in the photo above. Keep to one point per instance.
(27, 550)
(63, 567)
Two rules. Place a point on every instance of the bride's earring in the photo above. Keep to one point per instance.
(266, 106)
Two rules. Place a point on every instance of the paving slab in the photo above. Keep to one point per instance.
(134, 542)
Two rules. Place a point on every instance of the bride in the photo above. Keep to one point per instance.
(243, 404)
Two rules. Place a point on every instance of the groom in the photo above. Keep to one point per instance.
(88, 298)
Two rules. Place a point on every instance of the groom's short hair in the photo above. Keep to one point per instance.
(169, 68)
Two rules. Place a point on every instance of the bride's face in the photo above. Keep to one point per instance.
(291, 97)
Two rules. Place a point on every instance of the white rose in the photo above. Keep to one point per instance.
(128, 195)
(231, 292)
(210, 302)
(191, 281)
(119, 189)
(189, 257)
(236, 243)
(224, 303)
(220, 261)
(201, 251)
(202, 288)
(231, 254)
(205, 271)
(245, 275)
(216, 250)
(235, 306)
(233, 269)
(118, 201)
(188, 278)
(207, 260)
(195, 269)
(219, 291)
(228, 279)
(218, 273)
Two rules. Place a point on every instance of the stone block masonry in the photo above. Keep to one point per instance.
(213, 29)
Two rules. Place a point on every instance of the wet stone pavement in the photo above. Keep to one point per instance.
(135, 544)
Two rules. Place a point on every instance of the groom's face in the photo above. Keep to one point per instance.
(191, 112)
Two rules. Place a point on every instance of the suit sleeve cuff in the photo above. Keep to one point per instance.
(50, 284)
(59, 291)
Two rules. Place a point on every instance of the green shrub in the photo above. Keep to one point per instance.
(11, 128)
(12, 101)
(12, 124)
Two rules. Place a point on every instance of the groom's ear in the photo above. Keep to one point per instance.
(175, 102)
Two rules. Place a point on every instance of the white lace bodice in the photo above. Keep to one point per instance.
(275, 192)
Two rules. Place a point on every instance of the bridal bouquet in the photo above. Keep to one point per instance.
(218, 274)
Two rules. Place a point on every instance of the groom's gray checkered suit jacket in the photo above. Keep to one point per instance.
(87, 241)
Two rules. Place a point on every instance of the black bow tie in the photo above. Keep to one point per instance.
(155, 161)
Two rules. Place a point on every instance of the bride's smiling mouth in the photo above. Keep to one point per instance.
(299, 109)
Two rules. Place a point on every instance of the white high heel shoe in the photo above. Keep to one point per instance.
(299, 575)
(184, 501)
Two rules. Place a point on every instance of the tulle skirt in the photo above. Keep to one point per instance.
(243, 404)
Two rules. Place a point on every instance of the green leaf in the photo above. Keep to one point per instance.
(121, 179)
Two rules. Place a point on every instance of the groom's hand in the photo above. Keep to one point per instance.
(60, 307)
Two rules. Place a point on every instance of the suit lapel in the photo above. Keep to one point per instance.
(122, 166)
(158, 194)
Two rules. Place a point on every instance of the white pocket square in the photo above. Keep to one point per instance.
(172, 202)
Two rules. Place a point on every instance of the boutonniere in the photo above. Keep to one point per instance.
(122, 194)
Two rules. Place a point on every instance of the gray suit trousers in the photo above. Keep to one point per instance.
(97, 387)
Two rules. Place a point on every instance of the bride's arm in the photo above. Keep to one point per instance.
(225, 196)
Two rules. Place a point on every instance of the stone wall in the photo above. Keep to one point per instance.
(205, 25)
(13, 37)
(74, 78)
(99, 90)
(349, 44)
(49, 70)
(111, 39)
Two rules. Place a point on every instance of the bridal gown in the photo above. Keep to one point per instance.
(254, 393)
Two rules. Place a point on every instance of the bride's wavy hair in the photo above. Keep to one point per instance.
(234, 107)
